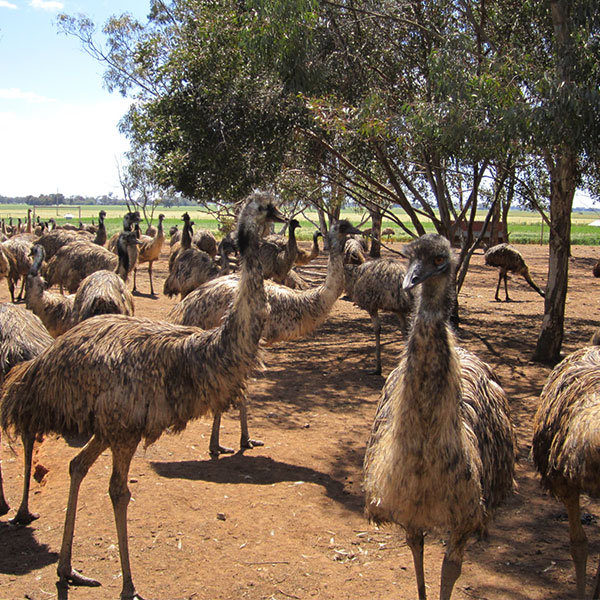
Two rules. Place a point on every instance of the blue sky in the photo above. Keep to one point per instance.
(58, 125)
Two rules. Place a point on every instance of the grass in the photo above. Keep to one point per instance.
(524, 227)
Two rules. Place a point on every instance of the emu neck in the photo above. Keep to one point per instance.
(186, 236)
(432, 367)
(243, 325)
(333, 285)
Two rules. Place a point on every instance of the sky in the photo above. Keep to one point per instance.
(58, 124)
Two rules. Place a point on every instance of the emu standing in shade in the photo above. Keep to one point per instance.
(442, 449)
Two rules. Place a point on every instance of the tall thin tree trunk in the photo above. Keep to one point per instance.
(562, 179)
(563, 167)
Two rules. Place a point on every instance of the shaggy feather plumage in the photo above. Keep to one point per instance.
(204, 240)
(94, 380)
(293, 314)
(354, 252)
(75, 261)
(566, 443)
(441, 451)
(508, 259)
(22, 337)
(191, 268)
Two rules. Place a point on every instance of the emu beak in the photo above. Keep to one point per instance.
(418, 273)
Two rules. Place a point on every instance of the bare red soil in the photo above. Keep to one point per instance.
(285, 521)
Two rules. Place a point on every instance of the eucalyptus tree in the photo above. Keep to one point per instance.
(552, 50)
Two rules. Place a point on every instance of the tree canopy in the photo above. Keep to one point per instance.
(439, 107)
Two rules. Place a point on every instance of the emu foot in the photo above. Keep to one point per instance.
(247, 443)
(215, 451)
(73, 577)
(135, 596)
(376, 371)
(24, 517)
(4, 507)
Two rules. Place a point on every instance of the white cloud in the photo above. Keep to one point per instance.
(62, 148)
(47, 4)
(5, 4)
(17, 94)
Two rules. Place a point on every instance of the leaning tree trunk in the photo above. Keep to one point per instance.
(562, 180)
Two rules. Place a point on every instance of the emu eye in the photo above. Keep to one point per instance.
(438, 260)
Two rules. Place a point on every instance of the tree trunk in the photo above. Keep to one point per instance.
(562, 180)
(563, 169)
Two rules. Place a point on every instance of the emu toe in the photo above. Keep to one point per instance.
(76, 578)
(24, 518)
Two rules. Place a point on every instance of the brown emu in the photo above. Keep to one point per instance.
(292, 315)
(508, 259)
(377, 285)
(22, 337)
(54, 310)
(278, 255)
(304, 257)
(149, 251)
(566, 448)
(89, 381)
(441, 452)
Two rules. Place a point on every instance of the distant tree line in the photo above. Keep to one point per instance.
(54, 199)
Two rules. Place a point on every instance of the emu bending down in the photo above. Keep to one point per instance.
(441, 451)
(89, 381)
(508, 258)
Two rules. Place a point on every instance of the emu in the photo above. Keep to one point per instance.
(377, 285)
(566, 449)
(441, 451)
(88, 381)
(292, 315)
(22, 337)
(508, 259)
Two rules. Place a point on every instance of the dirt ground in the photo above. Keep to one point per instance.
(285, 521)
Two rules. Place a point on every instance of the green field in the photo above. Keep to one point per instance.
(524, 227)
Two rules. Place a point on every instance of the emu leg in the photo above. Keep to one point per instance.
(507, 299)
(11, 289)
(452, 564)
(134, 289)
(4, 507)
(578, 541)
(150, 276)
(23, 516)
(596, 593)
(415, 541)
(215, 447)
(20, 296)
(120, 496)
(376, 321)
(245, 441)
(78, 469)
